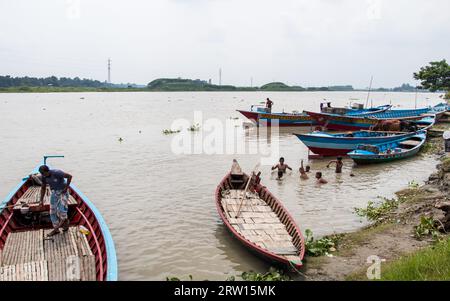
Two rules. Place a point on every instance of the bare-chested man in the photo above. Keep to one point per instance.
(281, 168)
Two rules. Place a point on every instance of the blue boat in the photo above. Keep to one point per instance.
(368, 121)
(328, 144)
(83, 252)
(387, 152)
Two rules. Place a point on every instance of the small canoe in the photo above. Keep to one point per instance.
(85, 252)
(258, 220)
(386, 152)
(328, 144)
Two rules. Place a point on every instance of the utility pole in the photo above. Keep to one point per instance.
(220, 76)
(251, 82)
(109, 71)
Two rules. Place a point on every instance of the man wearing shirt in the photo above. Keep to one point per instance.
(58, 200)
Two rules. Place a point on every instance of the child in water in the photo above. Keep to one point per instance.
(339, 164)
(281, 168)
(319, 178)
(303, 174)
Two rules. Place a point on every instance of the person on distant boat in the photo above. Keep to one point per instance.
(59, 198)
(339, 164)
(303, 174)
(269, 104)
(281, 168)
(319, 179)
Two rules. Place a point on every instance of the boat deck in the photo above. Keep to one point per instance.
(32, 195)
(31, 256)
(258, 223)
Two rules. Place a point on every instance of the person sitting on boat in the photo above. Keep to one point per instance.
(339, 164)
(59, 198)
(303, 174)
(319, 178)
(269, 104)
(281, 168)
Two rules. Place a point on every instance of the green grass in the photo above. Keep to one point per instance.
(431, 263)
(65, 89)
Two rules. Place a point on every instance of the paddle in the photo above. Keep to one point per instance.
(244, 196)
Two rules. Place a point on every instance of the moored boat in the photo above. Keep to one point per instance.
(328, 144)
(386, 152)
(261, 117)
(257, 219)
(85, 252)
(368, 121)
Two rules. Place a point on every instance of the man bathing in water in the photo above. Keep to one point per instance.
(59, 197)
(319, 178)
(281, 168)
(303, 174)
(339, 164)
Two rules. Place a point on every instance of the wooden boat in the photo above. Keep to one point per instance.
(257, 219)
(327, 144)
(85, 252)
(263, 118)
(339, 144)
(367, 121)
(386, 152)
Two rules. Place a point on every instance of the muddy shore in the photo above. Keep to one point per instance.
(392, 236)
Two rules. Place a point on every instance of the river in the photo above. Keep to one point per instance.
(158, 203)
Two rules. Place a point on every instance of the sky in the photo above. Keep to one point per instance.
(298, 42)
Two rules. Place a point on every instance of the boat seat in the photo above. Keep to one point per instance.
(31, 198)
(409, 143)
(284, 251)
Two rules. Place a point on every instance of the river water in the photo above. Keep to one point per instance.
(159, 203)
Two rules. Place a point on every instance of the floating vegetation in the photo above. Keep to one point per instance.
(413, 184)
(427, 227)
(322, 246)
(272, 275)
(120, 139)
(194, 128)
(168, 132)
(234, 118)
(377, 213)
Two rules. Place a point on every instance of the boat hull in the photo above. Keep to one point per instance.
(362, 157)
(281, 212)
(334, 145)
(84, 213)
(278, 119)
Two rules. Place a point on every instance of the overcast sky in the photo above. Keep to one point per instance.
(307, 43)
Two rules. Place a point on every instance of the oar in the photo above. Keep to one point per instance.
(244, 196)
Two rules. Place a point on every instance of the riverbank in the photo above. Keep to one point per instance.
(401, 233)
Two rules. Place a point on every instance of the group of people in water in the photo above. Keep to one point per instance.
(305, 170)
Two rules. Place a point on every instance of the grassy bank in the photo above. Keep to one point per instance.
(431, 263)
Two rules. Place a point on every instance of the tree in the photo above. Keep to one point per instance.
(435, 77)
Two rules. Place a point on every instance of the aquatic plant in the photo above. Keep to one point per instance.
(168, 132)
(427, 227)
(272, 275)
(377, 213)
(322, 246)
(194, 128)
(413, 184)
(177, 279)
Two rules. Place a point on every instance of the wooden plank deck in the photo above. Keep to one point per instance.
(30, 256)
(32, 195)
(258, 224)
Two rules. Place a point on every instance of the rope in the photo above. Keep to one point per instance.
(298, 272)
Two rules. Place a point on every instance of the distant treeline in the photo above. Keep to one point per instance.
(8, 81)
(53, 83)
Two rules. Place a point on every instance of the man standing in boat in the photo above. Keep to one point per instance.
(59, 198)
(269, 104)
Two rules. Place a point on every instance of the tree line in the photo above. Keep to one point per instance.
(52, 81)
